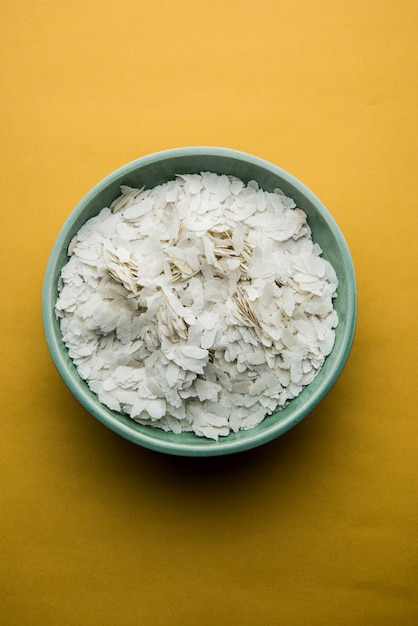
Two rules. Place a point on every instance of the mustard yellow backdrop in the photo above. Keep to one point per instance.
(318, 527)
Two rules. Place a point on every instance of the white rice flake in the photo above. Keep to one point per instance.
(200, 305)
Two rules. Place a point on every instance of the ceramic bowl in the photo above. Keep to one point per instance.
(153, 170)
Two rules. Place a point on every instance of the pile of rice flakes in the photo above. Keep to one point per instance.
(200, 305)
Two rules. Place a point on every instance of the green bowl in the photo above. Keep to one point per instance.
(158, 168)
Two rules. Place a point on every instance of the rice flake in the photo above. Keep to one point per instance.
(201, 305)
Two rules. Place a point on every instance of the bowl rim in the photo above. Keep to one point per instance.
(146, 438)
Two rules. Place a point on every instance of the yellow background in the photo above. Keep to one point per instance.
(318, 527)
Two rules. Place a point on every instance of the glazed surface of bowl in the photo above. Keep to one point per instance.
(158, 168)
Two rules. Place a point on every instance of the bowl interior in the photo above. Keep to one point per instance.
(154, 170)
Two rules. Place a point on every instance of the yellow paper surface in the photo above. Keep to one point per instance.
(318, 527)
